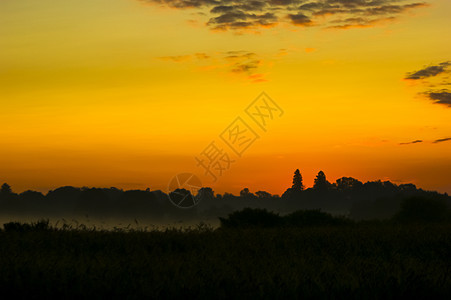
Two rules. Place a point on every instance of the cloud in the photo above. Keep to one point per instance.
(421, 141)
(438, 73)
(241, 63)
(429, 71)
(359, 22)
(412, 142)
(255, 14)
(246, 67)
(440, 97)
(441, 140)
(300, 19)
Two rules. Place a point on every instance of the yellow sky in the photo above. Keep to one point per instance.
(127, 93)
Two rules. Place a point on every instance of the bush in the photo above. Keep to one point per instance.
(249, 217)
(303, 218)
(261, 218)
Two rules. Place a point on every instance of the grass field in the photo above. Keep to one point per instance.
(373, 260)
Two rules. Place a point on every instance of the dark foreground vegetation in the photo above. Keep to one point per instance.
(253, 254)
(394, 243)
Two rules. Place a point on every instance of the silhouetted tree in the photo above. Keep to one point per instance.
(205, 194)
(182, 197)
(7, 197)
(320, 181)
(6, 189)
(263, 195)
(348, 183)
(244, 192)
(297, 181)
(92, 201)
(31, 201)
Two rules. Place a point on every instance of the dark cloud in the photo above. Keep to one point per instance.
(441, 140)
(440, 97)
(300, 19)
(241, 14)
(412, 142)
(239, 19)
(421, 141)
(438, 73)
(429, 71)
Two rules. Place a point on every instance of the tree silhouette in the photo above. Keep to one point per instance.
(244, 192)
(263, 195)
(205, 194)
(320, 181)
(348, 183)
(297, 181)
(6, 189)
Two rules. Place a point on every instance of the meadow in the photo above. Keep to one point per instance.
(371, 260)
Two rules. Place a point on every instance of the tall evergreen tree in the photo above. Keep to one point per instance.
(297, 181)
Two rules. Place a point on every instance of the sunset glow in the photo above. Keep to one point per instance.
(126, 93)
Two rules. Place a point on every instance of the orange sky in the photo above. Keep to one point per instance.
(127, 93)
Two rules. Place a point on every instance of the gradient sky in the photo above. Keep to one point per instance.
(127, 93)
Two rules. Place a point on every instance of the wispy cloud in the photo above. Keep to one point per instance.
(252, 14)
(429, 71)
(442, 140)
(421, 141)
(359, 22)
(178, 58)
(242, 63)
(412, 142)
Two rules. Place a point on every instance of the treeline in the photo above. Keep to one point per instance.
(70, 200)
(346, 196)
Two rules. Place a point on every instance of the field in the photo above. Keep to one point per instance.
(367, 260)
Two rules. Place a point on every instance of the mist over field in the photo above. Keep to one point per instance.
(107, 208)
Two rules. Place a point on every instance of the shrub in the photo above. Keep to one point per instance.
(249, 217)
(303, 218)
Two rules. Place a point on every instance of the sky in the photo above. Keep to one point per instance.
(130, 93)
